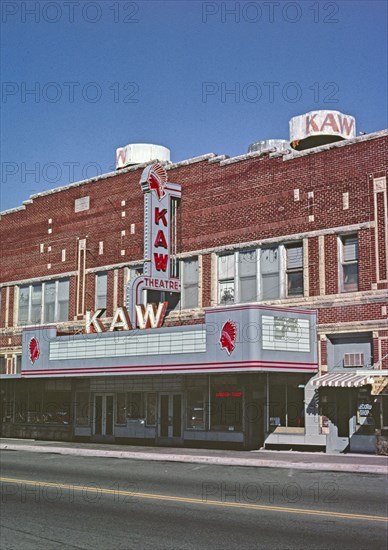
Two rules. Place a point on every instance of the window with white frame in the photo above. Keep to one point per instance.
(237, 277)
(270, 273)
(294, 269)
(101, 290)
(45, 302)
(348, 263)
(247, 276)
(189, 274)
(226, 283)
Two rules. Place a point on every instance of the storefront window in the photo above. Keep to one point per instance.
(286, 405)
(43, 407)
(21, 406)
(195, 410)
(56, 408)
(134, 406)
(7, 411)
(384, 406)
(82, 409)
(151, 409)
(226, 409)
(34, 411)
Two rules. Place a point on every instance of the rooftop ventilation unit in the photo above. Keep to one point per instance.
(139, 153)
(269, 144)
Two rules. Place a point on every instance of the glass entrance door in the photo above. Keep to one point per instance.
(170, 419)
(103, 415)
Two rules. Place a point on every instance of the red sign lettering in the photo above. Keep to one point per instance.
(330, 121)
(346, 125)
(311, 125)
(160, 240)
(161, 261)
(160, 215)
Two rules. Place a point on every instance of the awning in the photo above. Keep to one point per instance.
(342, 380)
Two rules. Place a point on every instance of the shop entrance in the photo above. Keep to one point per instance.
(170, 419)
(103, 416)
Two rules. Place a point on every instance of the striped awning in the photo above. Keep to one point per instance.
(342, 380)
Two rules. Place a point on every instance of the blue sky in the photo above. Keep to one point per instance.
(81, 78)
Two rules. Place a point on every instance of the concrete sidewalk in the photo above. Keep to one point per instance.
(263, 459)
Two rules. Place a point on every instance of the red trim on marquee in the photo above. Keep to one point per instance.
(209, 366)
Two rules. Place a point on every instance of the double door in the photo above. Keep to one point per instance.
(170, 419)
(103, 415)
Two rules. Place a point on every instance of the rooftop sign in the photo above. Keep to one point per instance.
(319, 128)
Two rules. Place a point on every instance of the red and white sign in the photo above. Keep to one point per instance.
(157, 230)
(34, 350)
(158, 198)
(228, 336)
(323, 122)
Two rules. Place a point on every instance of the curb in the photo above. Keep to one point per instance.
(224, 461)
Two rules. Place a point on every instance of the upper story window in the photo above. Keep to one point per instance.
(237, 277)
(188, 272)
(226, 282)
(101, 290)
(189, 278)
(265, 274)
(247, 276)
(348, 253)
(294, 269)
(270, 273)
(45, 302)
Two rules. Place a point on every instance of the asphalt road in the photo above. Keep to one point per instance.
(51, 501)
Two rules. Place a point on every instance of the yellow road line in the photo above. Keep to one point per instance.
(172, 498)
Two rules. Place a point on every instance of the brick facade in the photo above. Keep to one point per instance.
(227, 204)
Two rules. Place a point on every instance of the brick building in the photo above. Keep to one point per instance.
(276, 237)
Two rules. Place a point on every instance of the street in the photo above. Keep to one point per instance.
(51, 501)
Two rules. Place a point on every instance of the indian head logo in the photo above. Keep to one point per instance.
(34, 350)
(156, 177)
(228, 336)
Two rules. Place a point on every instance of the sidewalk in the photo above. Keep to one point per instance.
(263, 459)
